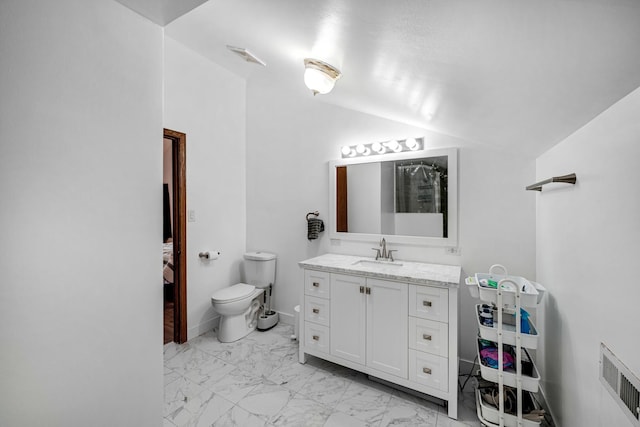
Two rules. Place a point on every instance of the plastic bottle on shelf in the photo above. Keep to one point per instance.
(486, 317)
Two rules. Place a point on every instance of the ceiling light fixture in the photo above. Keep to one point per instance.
(378, 148)
(319, 76)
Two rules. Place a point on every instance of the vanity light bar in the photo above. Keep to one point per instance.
(378, 148)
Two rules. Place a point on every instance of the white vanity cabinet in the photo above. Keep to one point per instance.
(349, 318)
(369, 318)
(429, 337)
(315, 308)
(400, 326)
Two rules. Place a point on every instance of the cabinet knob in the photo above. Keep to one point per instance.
(426, 371)
(426, 337)
(316, 338)
(316, 310)
(368, 291)
(316, 284)
(426, 303)
(362, 289)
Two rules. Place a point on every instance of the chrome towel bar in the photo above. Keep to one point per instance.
(567, 179)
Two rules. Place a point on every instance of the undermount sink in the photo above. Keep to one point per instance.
(377, 263)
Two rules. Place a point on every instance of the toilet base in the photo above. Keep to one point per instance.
(267, 320)
(232, 328)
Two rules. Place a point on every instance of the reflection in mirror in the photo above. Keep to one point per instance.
(397, 197)
(421, 197)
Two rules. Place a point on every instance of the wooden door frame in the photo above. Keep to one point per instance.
(179, 165)
(342, 216)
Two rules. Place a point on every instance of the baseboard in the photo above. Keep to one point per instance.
(209, 325)
(203, 328)
(465, 366)
(287, 318)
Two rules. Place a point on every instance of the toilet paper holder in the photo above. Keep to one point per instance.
(209, 255)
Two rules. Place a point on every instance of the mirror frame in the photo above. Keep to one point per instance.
(452, 200)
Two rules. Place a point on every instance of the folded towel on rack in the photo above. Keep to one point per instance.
(314, 227)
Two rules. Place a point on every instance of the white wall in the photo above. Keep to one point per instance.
(207, 103)
(587, 247)
(290, 139)
(80, 178)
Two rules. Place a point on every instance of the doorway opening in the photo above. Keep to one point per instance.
(175, 237)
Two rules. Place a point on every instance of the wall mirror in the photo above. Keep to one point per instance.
(409, 198)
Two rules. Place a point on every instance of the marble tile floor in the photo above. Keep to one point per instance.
(257, 381)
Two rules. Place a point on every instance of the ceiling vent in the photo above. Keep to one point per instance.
(621, 383)
(246, 55)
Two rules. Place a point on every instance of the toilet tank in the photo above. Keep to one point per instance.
(260, 269)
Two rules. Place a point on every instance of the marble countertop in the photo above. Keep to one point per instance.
(411, 272)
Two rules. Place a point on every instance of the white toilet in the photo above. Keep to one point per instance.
(239, 305)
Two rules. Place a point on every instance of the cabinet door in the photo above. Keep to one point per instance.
(387, 323)
(347, 314)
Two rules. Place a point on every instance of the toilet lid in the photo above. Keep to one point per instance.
(233, 293)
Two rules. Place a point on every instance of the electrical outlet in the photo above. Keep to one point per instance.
(191, 215)
(453, 251)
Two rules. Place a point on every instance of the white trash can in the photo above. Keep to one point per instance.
(296, 322)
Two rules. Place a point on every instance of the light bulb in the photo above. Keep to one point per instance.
(346, 150)
(360, 148)
(377, 147)
(394, 146)
(411, 144)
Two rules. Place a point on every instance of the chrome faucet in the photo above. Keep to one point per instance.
(382, 252)
(383, 244)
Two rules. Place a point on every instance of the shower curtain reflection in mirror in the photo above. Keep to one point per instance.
(421, 188)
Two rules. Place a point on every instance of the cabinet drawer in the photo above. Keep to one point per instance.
(316, 310)
(428, 369)
(316, 337)
(429, 336)
(429, 302)
(316, 283)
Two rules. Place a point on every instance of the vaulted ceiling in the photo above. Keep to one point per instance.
(514, 74)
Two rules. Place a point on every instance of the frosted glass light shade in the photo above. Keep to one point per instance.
(318, 81)
(319, 76)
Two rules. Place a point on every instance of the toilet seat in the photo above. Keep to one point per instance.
(232, 293)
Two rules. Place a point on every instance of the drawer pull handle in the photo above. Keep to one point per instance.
(362, 289)
(316, 311)
(316, 284)
(426, 337)
(426, 371)
(316, 338)
(426, 303)
(368, 291)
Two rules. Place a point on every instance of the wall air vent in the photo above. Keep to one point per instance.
(621, 383)
(246, 55)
